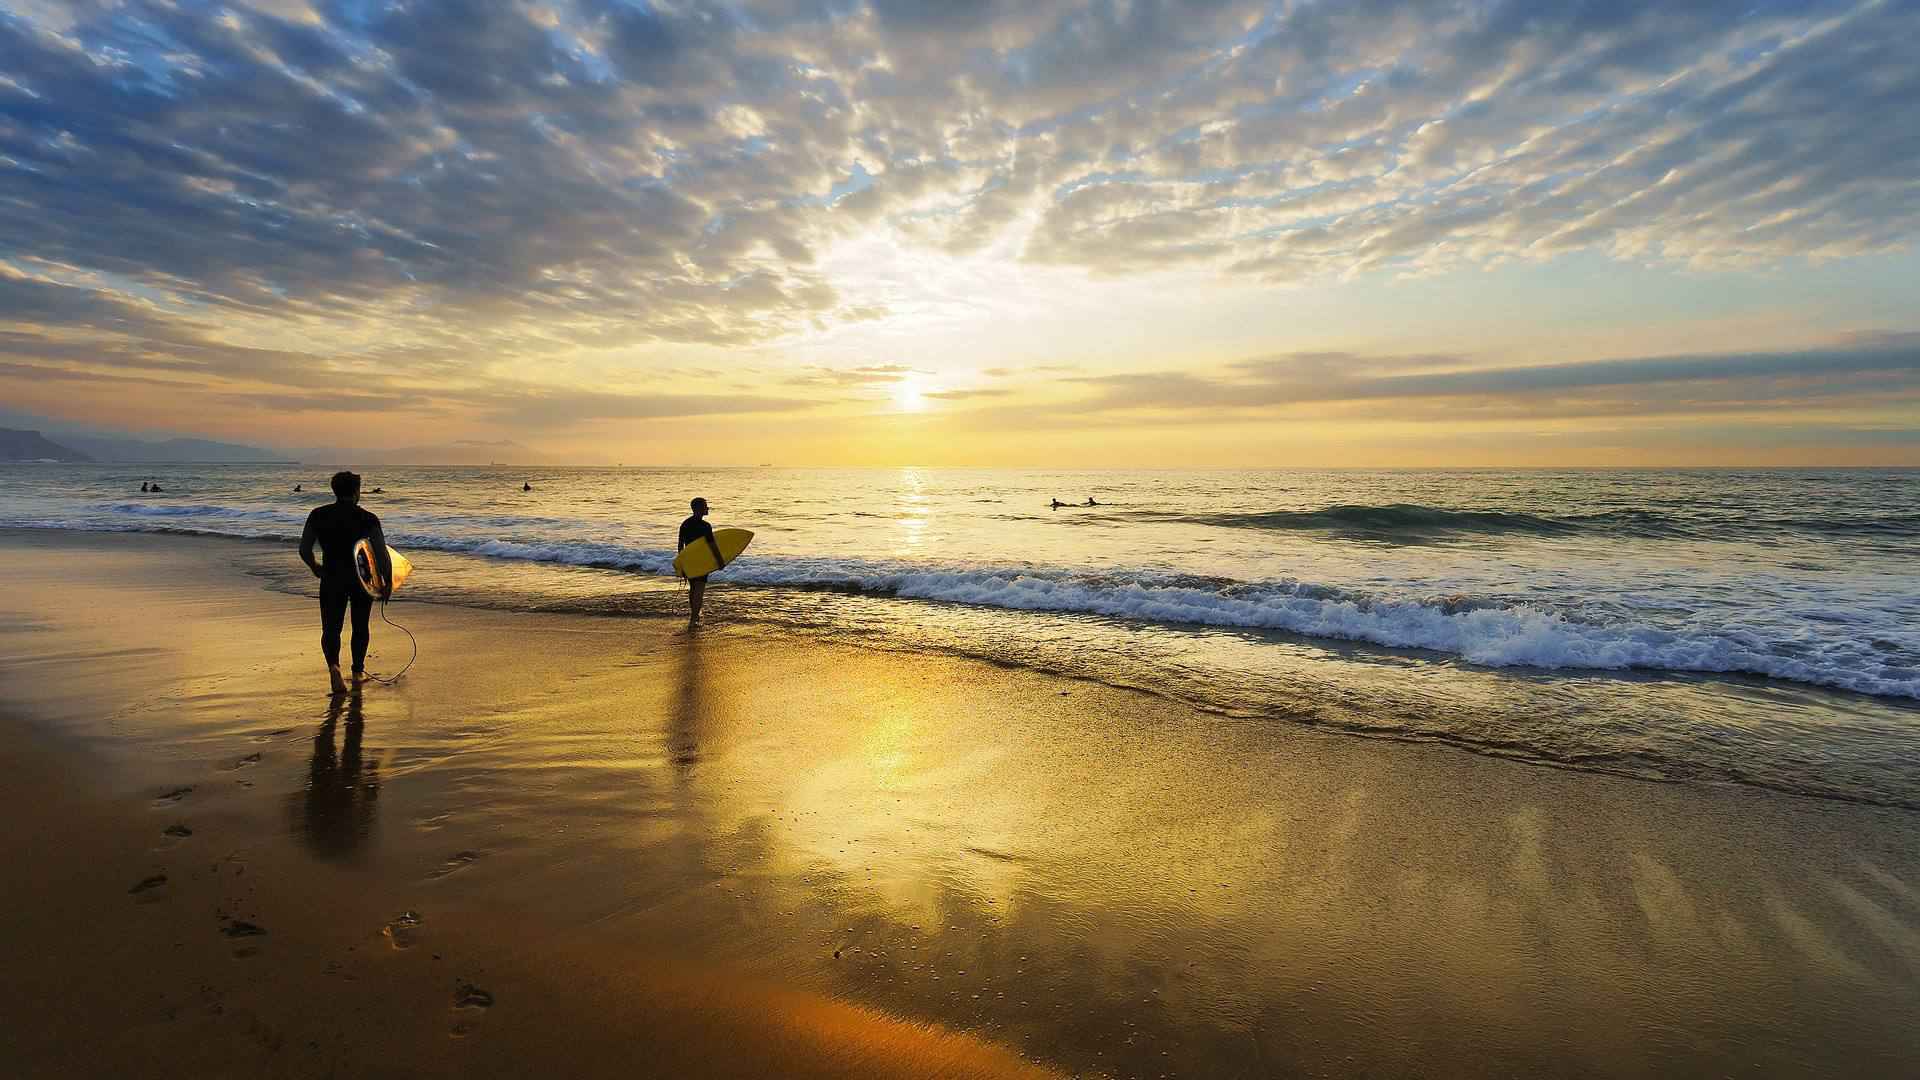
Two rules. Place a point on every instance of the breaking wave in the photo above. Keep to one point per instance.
(1411, 521)
(1483, 631)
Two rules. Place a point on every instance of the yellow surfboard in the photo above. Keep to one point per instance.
(696, 559)
(369, 571)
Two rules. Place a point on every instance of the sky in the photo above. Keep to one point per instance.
(972, 232)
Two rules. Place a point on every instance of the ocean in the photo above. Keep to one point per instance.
(1756, 627)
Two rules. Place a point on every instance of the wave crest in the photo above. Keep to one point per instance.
(1480, 630)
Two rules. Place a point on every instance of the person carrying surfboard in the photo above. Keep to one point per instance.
(692, 529)
(336, 528)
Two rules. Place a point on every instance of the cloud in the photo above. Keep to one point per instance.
(592, 156)
(860, 376)
(1860, 372)
(189, 187)
(544, 410)
(963, 395)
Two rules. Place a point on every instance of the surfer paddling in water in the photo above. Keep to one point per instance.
(693, 529)
(336, 528)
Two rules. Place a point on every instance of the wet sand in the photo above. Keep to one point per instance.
(598, 846)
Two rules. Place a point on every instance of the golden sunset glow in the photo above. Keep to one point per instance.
(1090, 235)
(907, 395)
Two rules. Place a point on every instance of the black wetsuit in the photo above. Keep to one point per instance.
(692, 529)
(336, 528)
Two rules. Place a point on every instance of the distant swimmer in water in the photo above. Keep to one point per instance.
(1057, 504)
(378, 491)
(528, 486)
(1090, 501)
(297, 489)
(143, 487)
(156, 487)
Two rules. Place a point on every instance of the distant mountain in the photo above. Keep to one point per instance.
(108, 445)
(18, 445)
(120, 448)
(77, 443)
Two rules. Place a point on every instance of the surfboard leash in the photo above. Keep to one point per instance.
(410, 638)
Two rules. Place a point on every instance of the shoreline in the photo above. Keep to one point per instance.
(875, 850)
(1315, 692)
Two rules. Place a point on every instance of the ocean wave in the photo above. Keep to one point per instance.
(1486, 631)
(1401, 518)
(198, 510)
(1479, 630)
(1412, 521)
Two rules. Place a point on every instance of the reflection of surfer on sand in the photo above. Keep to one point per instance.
(335, 813)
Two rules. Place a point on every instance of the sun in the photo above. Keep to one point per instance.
(907, 395)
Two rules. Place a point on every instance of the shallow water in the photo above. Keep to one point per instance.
(553, 812)
(1751, 626)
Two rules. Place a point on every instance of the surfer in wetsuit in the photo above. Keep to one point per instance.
(692, 529)
(336, 528)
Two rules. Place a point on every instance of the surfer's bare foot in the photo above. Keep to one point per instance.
(339, 684)
(360, 677)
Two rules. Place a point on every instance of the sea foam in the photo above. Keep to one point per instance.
(1487, 631)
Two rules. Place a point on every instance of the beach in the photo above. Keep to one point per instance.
(588, 844)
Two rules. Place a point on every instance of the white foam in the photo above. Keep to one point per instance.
(1489, 633)
(201, 510)
(1513, 635)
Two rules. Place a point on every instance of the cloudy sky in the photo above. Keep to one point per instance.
(972, 231)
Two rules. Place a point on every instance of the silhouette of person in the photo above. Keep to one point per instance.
(528, 486)
(692, 529)
(336, 528)
(335, 813)
(143, 487)
(156, 487)
(1090, 501)
(298, 488)
(378, 491)
(1057, 504)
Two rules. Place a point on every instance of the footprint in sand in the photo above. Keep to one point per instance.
(469, 999)
(239, 929)
(404, 930)
(173, 796)
(458, 861)
(468, 996)
(148, 884)
(177, 832)
(250, 759)
(272, 735)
